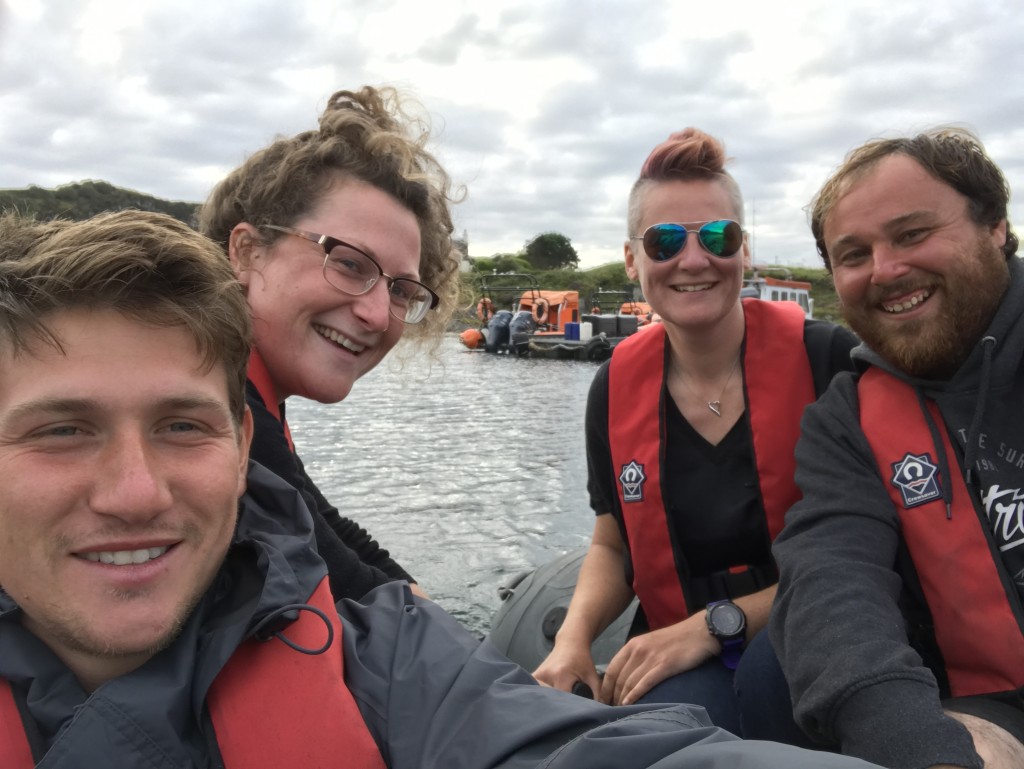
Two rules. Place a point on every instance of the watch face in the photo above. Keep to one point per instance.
(727, 619)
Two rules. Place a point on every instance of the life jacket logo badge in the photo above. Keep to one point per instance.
(917, 478)
(632, 479)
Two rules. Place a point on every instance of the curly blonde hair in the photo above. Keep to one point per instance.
(369, 135)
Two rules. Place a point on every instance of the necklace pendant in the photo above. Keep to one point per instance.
(716, 407)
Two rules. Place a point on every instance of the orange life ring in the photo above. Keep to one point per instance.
(540, 311)
(485, 309)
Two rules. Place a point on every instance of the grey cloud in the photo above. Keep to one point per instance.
(445, 49)
(220, 80)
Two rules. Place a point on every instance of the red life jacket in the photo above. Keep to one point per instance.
(778, 387)
(314, 722)
(13, 743)
(259, 375)
(981, 640)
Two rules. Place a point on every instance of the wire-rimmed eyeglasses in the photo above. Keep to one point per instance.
(354, 272)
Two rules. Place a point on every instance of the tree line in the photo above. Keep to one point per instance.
(549, 258)
(80, 200)
(552, 261)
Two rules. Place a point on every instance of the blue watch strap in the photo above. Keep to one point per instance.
(732, 650)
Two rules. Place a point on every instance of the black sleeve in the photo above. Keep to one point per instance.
(356, 562)
(603, 496)
(828, 350)
(351, 533)
(838, 589)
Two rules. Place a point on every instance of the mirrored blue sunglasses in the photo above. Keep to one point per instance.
(662, 242)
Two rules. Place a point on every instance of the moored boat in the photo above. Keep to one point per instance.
(519, 318)
(783, 289)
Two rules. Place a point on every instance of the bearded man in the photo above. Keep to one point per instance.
(899, 620)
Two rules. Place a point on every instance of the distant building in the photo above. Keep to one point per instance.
(462, 246)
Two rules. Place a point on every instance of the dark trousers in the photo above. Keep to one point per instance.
(710, 685)
(766, 712)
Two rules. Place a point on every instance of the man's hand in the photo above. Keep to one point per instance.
(649, 659)
(566, 665)
(418, 591)
(997, 747)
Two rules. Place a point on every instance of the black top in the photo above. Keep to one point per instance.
(355, 561)
(721, 479)
(713, 497)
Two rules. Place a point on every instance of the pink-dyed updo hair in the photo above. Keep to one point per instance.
(686, 155)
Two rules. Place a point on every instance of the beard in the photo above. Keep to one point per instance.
(935, 348)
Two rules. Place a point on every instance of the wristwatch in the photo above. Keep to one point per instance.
(727, 622)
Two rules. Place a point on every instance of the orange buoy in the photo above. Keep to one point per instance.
(472, 338)
(540, 311)
(485, 309)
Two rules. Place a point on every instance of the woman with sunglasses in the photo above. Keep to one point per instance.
(690, 433)
(341, 237)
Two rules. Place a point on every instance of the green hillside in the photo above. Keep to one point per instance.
(826, 303)
(80, 200)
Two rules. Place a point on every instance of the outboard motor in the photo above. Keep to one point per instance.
(520, 330)
(497, 331)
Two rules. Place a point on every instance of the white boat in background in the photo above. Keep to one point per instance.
(783, 289)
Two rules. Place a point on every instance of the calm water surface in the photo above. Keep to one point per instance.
(468, 475)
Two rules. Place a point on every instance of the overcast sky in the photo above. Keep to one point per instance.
(544, 110)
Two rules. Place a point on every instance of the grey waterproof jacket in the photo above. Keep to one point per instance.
(431, 695)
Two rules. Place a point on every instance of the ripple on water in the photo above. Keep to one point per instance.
(468, 476)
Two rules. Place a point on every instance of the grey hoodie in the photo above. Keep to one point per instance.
(849, 622)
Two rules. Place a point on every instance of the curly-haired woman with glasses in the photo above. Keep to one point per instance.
(690, 433)
(341, 236)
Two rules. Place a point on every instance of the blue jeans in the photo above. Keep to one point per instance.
(710, 686)
(766, 711)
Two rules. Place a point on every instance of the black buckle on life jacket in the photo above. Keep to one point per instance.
(732, 583)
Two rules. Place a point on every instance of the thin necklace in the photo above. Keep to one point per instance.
(714, 406)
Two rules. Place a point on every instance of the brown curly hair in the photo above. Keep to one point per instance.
(369, 135)
(954, 156)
